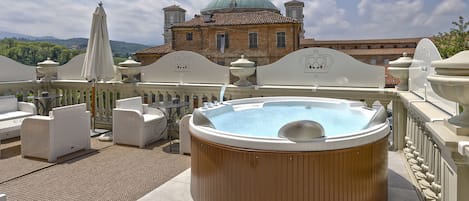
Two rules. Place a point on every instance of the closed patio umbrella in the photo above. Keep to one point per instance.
(98, 64)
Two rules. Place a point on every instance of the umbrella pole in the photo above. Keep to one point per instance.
(93, 105)
(104, 135)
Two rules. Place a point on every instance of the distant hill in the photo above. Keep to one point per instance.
(119, 48)
(4, 34)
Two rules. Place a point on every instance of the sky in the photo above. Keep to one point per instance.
(141, 21)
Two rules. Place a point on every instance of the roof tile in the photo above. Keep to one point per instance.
(241, 18)
(161, 49)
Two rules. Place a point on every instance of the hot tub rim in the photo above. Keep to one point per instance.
(349, 140)
(371, 135)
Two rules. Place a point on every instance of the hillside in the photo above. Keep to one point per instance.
(119, 48)
(4, 34)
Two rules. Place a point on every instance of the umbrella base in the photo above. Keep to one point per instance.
(105, 137)
(96, 132)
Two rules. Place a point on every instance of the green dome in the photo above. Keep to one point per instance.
(220, 6)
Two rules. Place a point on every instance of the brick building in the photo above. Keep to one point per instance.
(263, 36)
(226, 29)
(371, 51)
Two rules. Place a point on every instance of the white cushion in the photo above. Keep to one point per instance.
(134, 103)
(68, 111)
(151, 117)
(8, 104)
(10, 125)
(14, 115)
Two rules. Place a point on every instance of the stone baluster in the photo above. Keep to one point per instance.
(433, 193)
(82, 95)
(423, 182)
(407, 139)
(412, 156)
(415, 165)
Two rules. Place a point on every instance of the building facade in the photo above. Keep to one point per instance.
(294, 9)
(262, 36)
(227, 29)
(371, 51)
(172, 15)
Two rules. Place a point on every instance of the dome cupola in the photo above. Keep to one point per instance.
(226, 6)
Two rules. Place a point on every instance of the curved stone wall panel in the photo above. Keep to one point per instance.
(72, 69)
(185, 67)
(320, 67)
(14, 71)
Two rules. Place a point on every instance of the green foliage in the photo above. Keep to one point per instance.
(117, 60)
(30, 53)
(454, 41)
(119, 48)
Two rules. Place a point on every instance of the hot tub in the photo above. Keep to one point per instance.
(237, 154)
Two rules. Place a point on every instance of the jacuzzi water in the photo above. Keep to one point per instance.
(267, 120)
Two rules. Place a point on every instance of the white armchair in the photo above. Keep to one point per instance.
(65, 130)
(134, 123)
(184, 135)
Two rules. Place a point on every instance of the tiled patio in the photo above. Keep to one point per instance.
(110, 172)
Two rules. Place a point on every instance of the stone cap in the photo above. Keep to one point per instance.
(48, 63)
(458, 61)
(242, 62)
(403, 61)
(130, 63)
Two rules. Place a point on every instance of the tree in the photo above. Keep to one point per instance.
(454, 41)
(30, 53)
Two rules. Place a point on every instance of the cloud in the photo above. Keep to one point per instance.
(142, 20)
(40, 18)
(323, 17)
(444, 13)
(391, 12)
(405, 18)
(137, 21)
(450, 6)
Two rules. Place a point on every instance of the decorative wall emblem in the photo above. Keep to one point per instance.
(317, 62)
(182, 63)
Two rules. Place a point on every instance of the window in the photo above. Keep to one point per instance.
(171, 19)
(252, 40)
(293, 14)
(189, 36)
(281, 39)
(386, 61)
(222, 41)
(221, 62)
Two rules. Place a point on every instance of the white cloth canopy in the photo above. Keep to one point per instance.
(98, 64)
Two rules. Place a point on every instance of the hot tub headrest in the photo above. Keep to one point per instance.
(302, 131)
(200, 119)
(378, 118)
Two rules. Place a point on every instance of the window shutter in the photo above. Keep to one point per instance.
(227, 41)
(218, 41)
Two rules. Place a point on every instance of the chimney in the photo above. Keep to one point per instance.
(208, 18)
